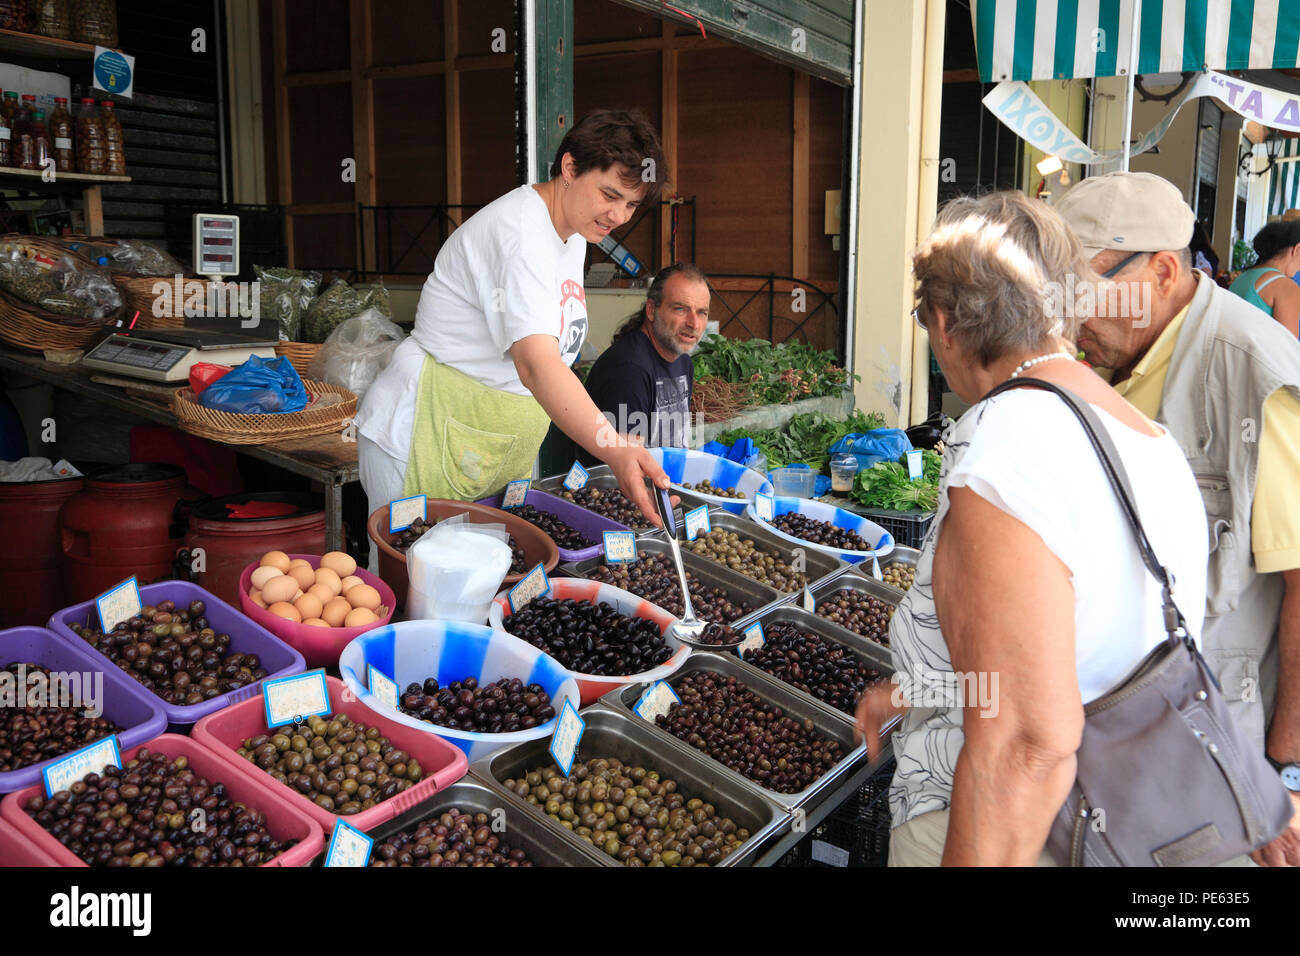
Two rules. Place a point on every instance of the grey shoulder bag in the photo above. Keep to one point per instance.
(1164, 776)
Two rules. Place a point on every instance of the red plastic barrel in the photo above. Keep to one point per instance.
(237, 530)
(120, 525)
(29, 561)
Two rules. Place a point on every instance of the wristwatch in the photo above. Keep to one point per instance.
(1290, 773)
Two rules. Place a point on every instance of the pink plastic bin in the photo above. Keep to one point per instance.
(17, 850)
(443, 763)
(319, 646)
(283, 819)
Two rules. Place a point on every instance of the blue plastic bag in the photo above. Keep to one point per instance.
(743, 450)
(259, 386)
(881, 444)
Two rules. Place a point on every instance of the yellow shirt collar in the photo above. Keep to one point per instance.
(1154, 365)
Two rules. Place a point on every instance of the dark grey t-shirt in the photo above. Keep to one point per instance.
(642, 394)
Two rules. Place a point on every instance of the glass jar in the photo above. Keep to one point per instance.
(95, 21)
(114, 148)
(50, 18)
(15, 15)
(9, 110)
(37, 139)
(90, 139)
(843, 467)
(61, 136)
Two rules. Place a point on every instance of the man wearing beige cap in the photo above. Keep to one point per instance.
(1225, 380)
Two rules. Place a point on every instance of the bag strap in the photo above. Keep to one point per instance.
(1113, 465)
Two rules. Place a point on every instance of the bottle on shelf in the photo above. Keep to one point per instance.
(60, 124)
(90, 139)
(114, 148)
(51, 18)
(24, 149)
(6, 132)
(41, 147)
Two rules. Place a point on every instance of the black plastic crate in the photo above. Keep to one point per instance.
(908, 527)
(856, 833)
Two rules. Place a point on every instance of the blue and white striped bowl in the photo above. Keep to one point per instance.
(684, 465)
(410, 651)
(820, 511)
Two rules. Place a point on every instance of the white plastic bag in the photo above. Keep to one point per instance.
(444, 585)
(357, 351)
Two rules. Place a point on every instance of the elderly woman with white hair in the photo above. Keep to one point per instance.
(1030, 595)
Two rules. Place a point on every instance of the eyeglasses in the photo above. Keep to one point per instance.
(916, 317)
(1116, 269)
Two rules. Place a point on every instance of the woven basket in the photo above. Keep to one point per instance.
(138, 296)
(26, 326)
(52, 247)
(299, 354)
(239, 429)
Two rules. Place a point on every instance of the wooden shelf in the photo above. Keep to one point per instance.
(9, 171)
(29, 44)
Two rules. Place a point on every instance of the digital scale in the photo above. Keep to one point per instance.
(166, 355)
(216, 244)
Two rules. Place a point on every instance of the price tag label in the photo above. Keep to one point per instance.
(620, 547)
(403, 512)
(915, 465)
(348, 847)
(754, 639)
(697, 522)
(289, 699)
(383, 688)
(809, 602)
(62, 774)
(534, 584)
(516, 492)
(764, 506)
(119, 604)
(657, 700)
(875, 569)
(568, 732)
(576, 478)
(829, 853)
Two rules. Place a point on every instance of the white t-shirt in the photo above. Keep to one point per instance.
(503, 275)
(1026, 453)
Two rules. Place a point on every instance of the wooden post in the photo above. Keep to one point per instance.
(451, 49)
(363, 127)
(800, 175)
(281, 59)
(668, 136)
(93, 199)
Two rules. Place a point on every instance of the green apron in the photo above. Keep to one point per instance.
(469, 439)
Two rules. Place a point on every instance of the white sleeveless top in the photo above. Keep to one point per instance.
(1025, 452)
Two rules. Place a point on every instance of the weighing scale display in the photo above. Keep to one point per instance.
(216, 244)
(141, 355)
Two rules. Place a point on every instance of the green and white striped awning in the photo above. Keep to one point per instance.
(1284, 180)
(1071, 39)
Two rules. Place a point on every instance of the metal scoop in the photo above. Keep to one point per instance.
(689, 629)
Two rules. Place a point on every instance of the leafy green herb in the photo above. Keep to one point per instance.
(806, 438)
(886, 485)
(774, 373)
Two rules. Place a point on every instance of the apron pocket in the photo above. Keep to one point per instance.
(472, 459)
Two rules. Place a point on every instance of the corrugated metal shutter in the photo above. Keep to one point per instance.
(815, 36)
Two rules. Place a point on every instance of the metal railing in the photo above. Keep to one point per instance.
(802, 306)
(405, 239)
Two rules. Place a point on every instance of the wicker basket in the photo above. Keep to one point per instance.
(27, 326)
(239, 429)
(138, 296)
(299, 354)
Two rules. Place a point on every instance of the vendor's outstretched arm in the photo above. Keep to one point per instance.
(557, 389)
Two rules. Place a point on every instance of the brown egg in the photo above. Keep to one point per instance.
(280, 588)
(338, 562)
(363, 595)
(286, 611)
(335, 611)
(304, 575)
(299, 563)
(349, 583)
(309, 606)
(276, 559)
(263, 574)
(331, 580)
(256, 597)
(316, 622)
(359, 617)
(322, 593)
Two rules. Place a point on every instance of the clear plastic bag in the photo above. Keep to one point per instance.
(64, 288)
(339, 303)
(130, 256)
(284, 295)
(443, 585)
(356, 352)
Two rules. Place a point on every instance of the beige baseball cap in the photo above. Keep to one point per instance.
(1135, 212)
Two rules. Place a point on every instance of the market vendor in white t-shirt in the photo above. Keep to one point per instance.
(464, 404)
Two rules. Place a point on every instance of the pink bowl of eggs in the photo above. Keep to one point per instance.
(315, 604)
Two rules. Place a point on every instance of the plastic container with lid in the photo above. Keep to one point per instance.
(90, 138)
(843, 467)
(41, 147)
(114, 148)
(94, 21)
(15, 15)
(52, 18)
(60, 125)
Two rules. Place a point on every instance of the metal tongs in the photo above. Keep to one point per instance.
(688, 629)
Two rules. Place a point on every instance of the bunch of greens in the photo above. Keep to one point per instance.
(806, 438)
(774, 374)
(886, 485)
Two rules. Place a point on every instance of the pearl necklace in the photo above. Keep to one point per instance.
(1030, 363)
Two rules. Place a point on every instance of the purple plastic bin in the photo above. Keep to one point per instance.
(246, 637)
(589, 524)
(126, 703)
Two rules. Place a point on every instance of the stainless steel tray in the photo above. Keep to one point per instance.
(869, 652)
(775, 693)
(863, 584)
(817, 564)
(544, 846)
(600, 476)
(901, 554)
(735, 585)
(612, 734)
